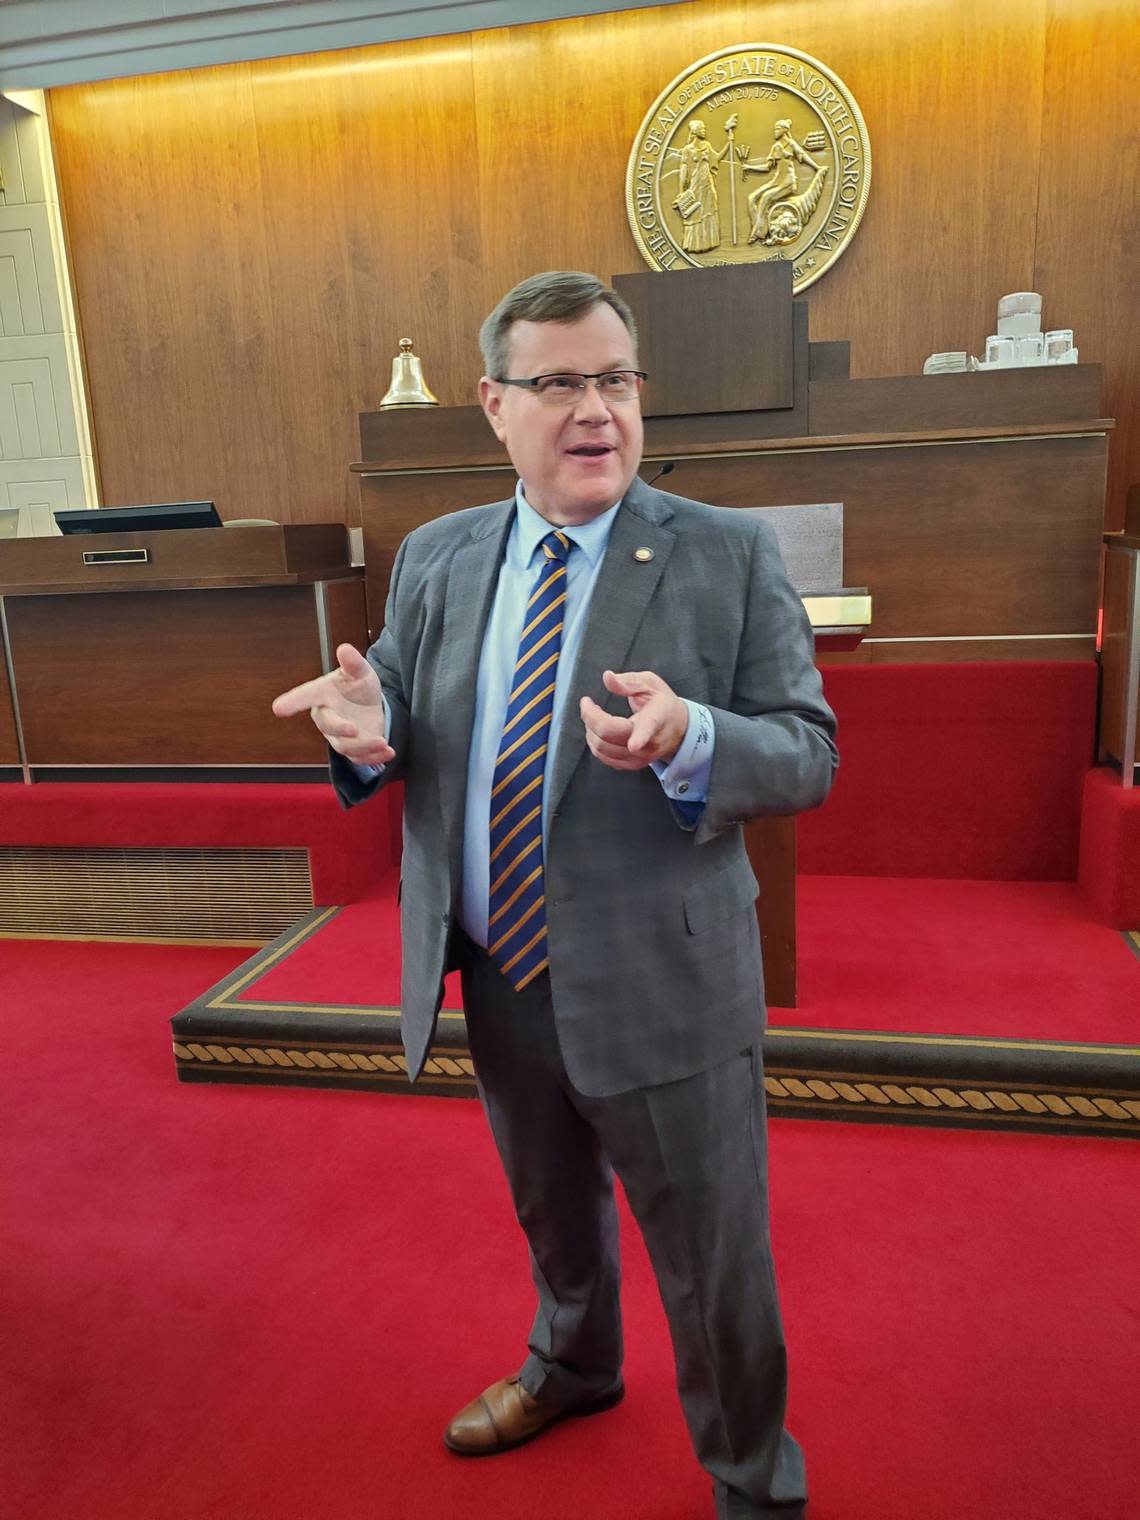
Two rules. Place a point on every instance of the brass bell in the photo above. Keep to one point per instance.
(407, 387)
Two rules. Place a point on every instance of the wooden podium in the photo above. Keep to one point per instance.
(160, 652)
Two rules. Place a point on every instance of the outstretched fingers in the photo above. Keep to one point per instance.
(309, 694)
(353, 680)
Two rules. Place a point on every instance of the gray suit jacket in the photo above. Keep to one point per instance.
(654, 949)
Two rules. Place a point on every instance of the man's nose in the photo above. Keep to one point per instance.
(590, 405)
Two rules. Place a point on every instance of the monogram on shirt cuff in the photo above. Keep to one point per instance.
(685, 778)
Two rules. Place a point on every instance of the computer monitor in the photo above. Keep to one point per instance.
(173, 514)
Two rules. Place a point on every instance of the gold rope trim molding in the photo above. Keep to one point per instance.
(807, 1093)
(351, 1062)
(817, 1092)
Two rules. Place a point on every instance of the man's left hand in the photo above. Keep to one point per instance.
(654, 732)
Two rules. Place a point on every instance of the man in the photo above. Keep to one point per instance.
(586, 689)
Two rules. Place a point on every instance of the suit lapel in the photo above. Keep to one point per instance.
(472, 578)
(622, 594)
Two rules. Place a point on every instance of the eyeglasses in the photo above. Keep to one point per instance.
(565, 390)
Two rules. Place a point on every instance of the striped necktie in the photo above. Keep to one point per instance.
(516, 922)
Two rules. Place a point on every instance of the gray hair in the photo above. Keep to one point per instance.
(559, 295)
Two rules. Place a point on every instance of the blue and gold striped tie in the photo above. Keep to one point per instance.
(516, 921)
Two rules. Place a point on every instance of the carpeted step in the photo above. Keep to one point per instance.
(964, 1004)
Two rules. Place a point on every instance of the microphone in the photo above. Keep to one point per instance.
(666, 469)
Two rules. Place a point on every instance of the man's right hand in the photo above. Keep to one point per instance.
(347, 706)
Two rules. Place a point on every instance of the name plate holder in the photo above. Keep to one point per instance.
(116, 556)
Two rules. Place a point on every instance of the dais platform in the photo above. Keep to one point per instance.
(1003, 1005)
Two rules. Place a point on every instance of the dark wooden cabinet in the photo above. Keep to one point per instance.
(170, 661)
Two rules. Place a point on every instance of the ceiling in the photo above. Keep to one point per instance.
(56, 42)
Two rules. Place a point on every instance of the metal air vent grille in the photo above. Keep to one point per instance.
(194, 896)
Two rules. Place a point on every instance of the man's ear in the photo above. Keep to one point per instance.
(491, 400)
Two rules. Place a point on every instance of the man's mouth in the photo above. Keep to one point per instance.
(590, 450)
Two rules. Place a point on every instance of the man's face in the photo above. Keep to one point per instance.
(575, 461)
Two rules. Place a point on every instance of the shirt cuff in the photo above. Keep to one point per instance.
(685, 778)
(367, 772)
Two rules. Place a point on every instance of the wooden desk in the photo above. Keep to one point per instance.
(975, 543)
(170, 661)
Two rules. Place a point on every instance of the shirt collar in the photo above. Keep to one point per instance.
(530, 529)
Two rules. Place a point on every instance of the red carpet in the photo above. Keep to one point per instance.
(1017, 960)
(263, 1304)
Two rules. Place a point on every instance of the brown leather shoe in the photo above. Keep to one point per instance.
(505, 1416)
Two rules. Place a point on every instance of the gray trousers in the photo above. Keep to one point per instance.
(692, 1158)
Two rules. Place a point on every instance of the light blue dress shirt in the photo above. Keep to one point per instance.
(685, 778)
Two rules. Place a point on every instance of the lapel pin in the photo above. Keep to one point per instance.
(643, 556)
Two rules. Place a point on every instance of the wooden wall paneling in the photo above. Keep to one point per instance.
(158, 684)
(161, 188)
(1088, 217)
(288, 222)
(372, 228)
(558, 106)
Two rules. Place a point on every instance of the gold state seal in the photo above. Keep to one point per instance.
(756, 152)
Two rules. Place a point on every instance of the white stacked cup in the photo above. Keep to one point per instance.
(1018, 338)
(1019, 315)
